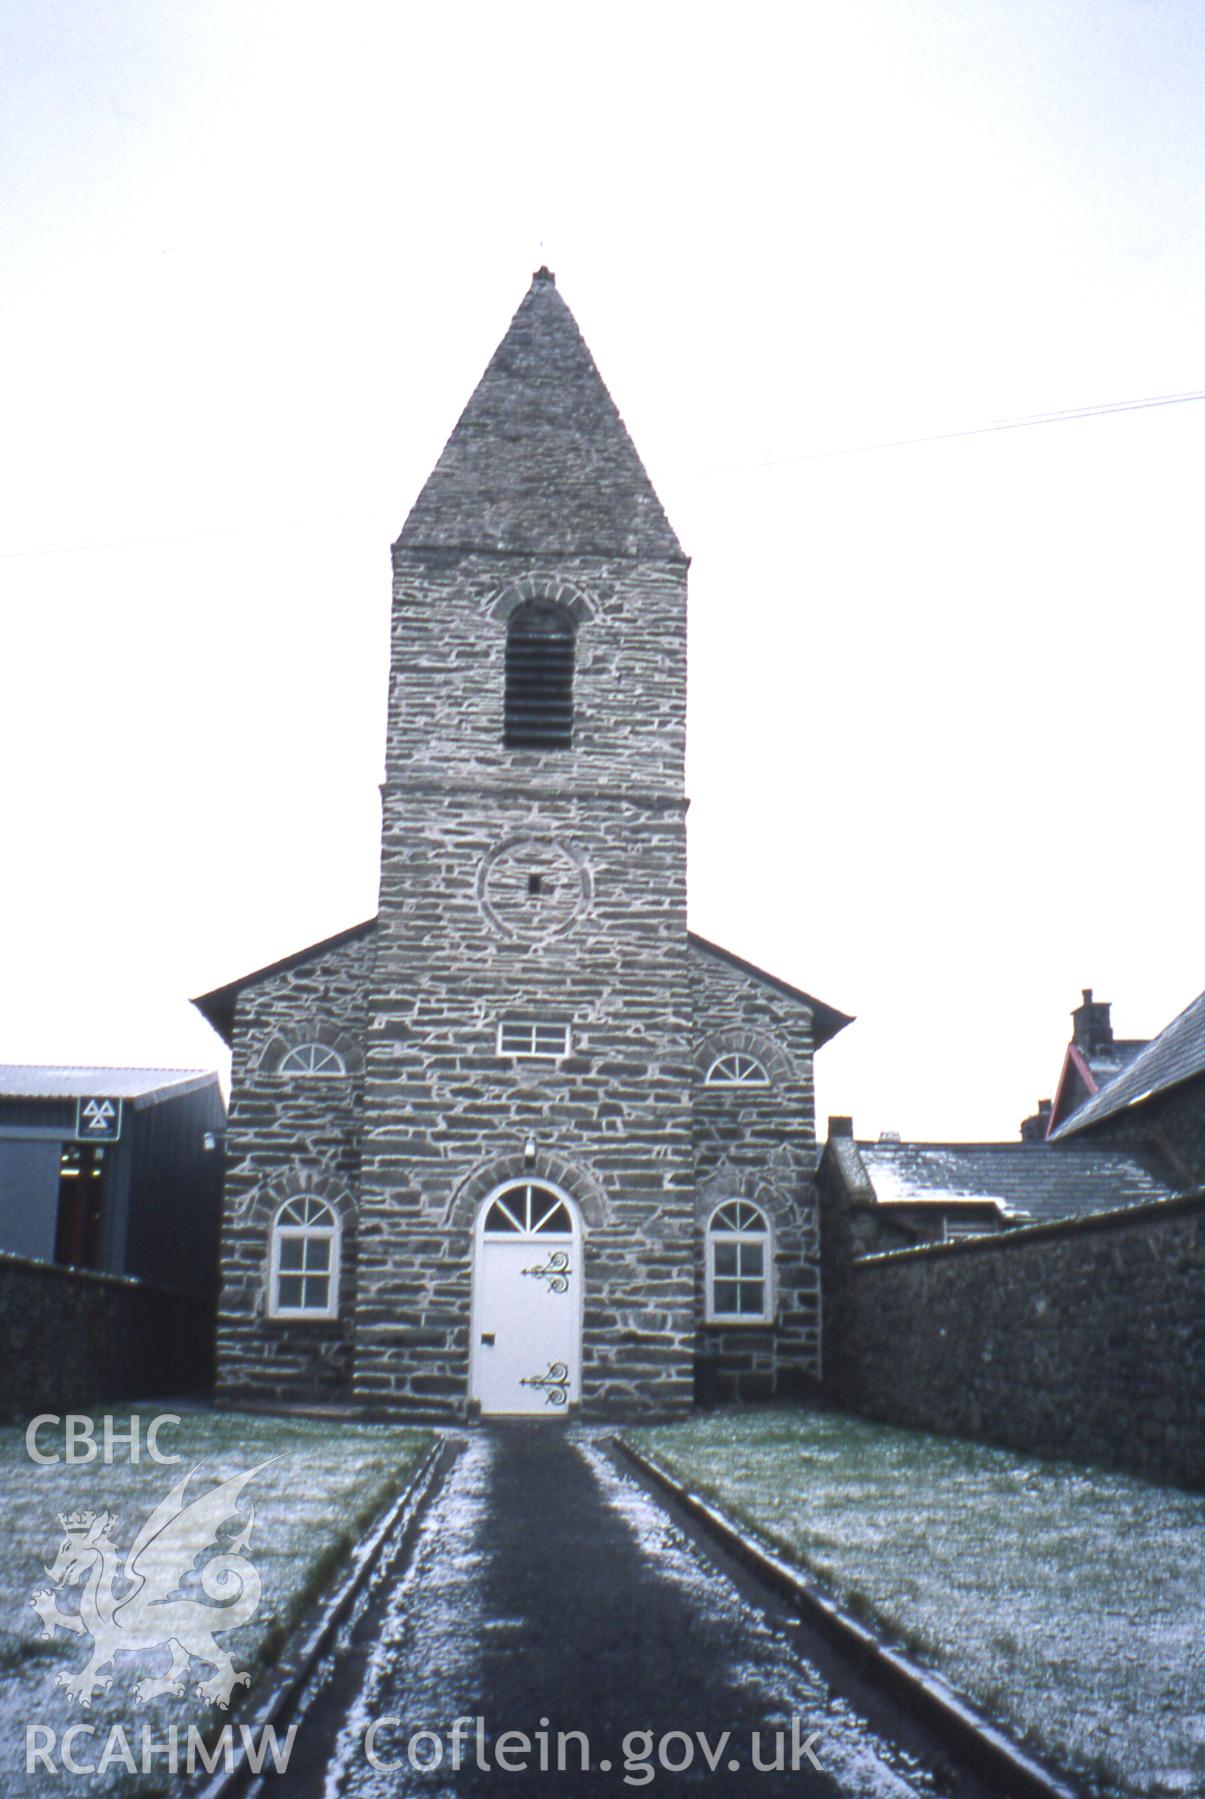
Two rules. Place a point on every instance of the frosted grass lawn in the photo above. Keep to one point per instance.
(311, 1507)
(1065, 1600)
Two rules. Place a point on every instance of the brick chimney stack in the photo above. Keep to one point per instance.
(1092, 1031)
(840, 1127)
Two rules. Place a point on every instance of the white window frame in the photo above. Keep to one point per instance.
(532, 1039)
(760, 1079)
(762, 1234)
(293, 1232)
(318, 1074)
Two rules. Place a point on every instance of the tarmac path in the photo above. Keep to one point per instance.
(548, 1593)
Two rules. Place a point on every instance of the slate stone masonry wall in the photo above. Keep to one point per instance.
(465, 942)
(290, 1134)
(1084, 1338)
(757, 1143)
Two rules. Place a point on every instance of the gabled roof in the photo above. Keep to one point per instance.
(540, 461)
(218, 1005)
(1084, 1075)
(1077, 1082)
(1175, 1055)
(1028, 1182)
(140, 1086)
(826, 1020)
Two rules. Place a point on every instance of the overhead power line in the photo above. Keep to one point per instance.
(1101, 410)
(1018, 424)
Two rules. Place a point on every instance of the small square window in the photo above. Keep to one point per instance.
(535, 883)
(533, 1039)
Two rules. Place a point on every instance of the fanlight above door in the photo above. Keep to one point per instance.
(530, 1211)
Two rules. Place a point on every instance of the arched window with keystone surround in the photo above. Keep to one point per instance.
(304, 1275)
(538, 711)
(739, 1260)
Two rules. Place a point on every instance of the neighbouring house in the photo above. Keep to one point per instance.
(113, 1170)
(1126, 1129)
(1093, 1058)
(890, 1194)
(1153, 1104)
(523, 1143)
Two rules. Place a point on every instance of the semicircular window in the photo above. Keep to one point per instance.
(528, 1210)
(312, 1058)
(736, 1069)
(538, 710)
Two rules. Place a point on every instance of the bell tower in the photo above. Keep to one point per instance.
(529, 1041)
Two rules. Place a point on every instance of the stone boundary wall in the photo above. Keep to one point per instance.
(1084, 1338)
(69, 1338)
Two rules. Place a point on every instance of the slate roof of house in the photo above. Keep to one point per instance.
(1028, 1182)
(826, 1020)
(140, 1086)
(540, 460)
(1175, 1055)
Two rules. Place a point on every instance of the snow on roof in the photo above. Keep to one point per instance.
(1025, 1180)
(896, 1182)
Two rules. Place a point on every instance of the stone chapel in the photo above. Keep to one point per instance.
(523, 1143)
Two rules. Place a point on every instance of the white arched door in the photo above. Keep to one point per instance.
(527, 1303)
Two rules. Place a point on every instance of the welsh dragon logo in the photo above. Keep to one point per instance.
(153, 1611)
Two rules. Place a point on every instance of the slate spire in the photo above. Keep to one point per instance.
(540, 462)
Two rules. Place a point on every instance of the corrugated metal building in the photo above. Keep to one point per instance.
(113, 1169)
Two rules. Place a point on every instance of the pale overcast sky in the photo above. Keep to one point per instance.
(944, 697)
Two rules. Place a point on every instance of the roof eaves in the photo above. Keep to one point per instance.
(826, 1020)
(218, 1004)
(972, 1201)
(176, 1090)
(1085, 1116)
